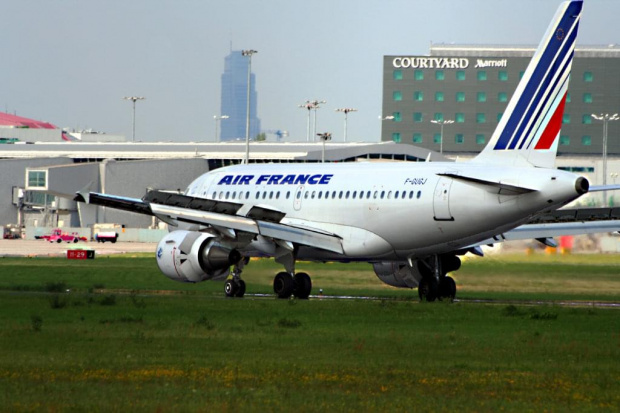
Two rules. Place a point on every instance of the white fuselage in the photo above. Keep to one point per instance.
(392, 210)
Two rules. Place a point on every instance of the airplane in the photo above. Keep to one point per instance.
(411, 221)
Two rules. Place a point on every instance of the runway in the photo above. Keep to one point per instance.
(42, 248)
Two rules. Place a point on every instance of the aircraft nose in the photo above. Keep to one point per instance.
(582, 185)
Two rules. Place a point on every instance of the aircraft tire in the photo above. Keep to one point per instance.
(240, 288)
(230, 288)
(447, 288)
(283, 285)
(303, 285)
(428, 289)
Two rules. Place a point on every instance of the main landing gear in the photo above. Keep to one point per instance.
(285, 284)
(299, 285)
(435, 283)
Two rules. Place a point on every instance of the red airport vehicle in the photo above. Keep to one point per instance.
(59, 236)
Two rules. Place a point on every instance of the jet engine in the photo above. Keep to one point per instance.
(402, 275)
(397, 274)
(189, 256)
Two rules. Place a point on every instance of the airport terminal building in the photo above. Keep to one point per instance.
(471, 85)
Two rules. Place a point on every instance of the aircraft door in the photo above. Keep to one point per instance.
(297, 199)
(441, 200)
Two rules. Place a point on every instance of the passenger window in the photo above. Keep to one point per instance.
(305, 195)
(334, 195)
(258, 195)
(390, 195)
(265, 195)
(214, 195)
(368, 195)
(313, 194)
(396, 195)
(247, 195)
(340, 195)
(234, 195)
(271, 195)
(376, 193)
(288, 194)
(278, 195)
(347, 195)
(221, 195)
(419, 194)
(227, 195)
(382, 194)
(320, 194)
(299, 195)
(411, 195)
(354, 194)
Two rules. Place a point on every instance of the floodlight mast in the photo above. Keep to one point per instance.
(310, 105)
(442, 123)
(134, 99)
(249, 54)
(346, 113)
(307, 105)
(326, 136)
(605, 118)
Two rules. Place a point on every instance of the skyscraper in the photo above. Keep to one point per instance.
(234, 98)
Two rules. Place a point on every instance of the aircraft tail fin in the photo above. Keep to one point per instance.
(528, 131)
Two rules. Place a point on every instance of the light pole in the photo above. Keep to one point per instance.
(249, 54)
(346, 113)
(307, 105)
(316, 104)
(133, 99)
(326, 136)
(217, 120)
(605, 118)
(441, 123)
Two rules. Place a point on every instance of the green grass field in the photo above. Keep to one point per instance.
(127, 338)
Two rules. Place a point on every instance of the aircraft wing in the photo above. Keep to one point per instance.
(562, 222)
(226, 217)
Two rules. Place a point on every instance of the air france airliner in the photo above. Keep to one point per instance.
(411, 221)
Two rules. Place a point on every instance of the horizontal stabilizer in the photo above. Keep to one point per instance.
(494, 184)
(542, 231)
(600, 188)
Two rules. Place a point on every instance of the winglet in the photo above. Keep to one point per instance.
(83, 195)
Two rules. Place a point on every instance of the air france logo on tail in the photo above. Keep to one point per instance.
(534, 116)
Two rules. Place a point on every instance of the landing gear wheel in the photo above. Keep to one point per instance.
(447, 288)
(240, 288)
(283, 285)
(428, 289)
(303, 285)
(231, 288)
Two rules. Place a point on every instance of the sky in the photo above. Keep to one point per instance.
(70, 62)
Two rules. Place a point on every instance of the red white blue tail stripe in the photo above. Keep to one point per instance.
(533, 117)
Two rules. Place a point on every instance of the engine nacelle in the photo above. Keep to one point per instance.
(397, 274)
(401, 275)
(189, 256)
